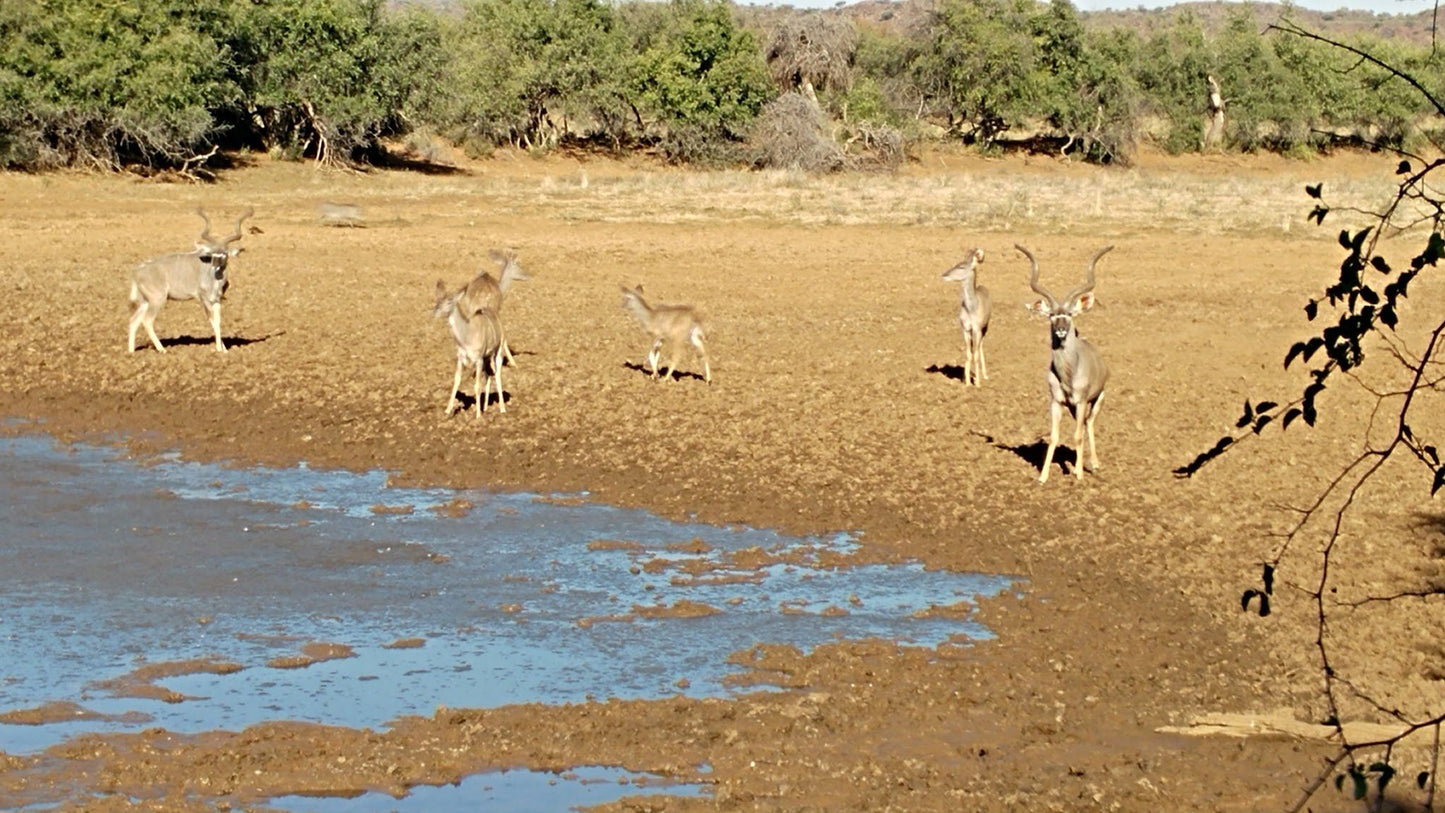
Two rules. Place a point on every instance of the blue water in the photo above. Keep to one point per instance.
(111, 563)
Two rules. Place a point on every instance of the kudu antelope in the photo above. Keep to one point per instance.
(973, 314)
(478, 336)
(199, 274)
(668, 324)
(485, 292)
(1077, 373)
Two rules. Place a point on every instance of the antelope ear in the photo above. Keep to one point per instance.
(1038, 306)
(237, 250)
(1084, 302)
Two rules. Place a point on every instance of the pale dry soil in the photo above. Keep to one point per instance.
(836, 404)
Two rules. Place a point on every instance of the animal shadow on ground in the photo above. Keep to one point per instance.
(1034, 453)
(231, 341)
(421, 166)
(469, 402)
(953, 371)
(516, 352)
(677, 375)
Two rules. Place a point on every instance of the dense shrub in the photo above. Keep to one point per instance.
(106, 84)
(702, 80)
(524, 70)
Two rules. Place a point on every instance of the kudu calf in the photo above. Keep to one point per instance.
(198, 274)
(1077, 373)
(669, 324)
(483, 292)
(479, 340)
(973, 314)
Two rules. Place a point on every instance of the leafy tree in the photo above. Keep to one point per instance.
(329, 78)
(702, 79)
(1270, 106)
(1173, 71)
(1088, 91)
(520, 68)
(884, 89)
(109, 83)
(979, 66)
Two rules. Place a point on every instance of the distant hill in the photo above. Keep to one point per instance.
(1413, 28)
(901, 15)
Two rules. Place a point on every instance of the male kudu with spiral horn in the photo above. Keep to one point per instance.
(199, 274)
(1077, 373)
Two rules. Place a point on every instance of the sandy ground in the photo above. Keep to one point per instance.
(835, 404)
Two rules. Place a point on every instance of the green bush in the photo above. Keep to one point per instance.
(522, 71)
(109, 84)
(702, 80)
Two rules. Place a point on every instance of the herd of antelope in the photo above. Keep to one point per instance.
(1076, 376)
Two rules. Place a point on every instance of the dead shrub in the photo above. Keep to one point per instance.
(875, 146)
(791, 132)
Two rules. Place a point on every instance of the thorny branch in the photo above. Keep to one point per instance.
(1365, 301)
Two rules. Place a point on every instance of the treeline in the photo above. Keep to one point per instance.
(165, 83)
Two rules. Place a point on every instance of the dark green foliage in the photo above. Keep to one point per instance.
(104, 84)
(1173, 70)
(329, 78)
(523, 70)
(701, 80)
(979, 67)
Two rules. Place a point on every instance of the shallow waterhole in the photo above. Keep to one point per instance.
(196, 597)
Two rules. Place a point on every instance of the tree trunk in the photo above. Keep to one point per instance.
(1214, 132)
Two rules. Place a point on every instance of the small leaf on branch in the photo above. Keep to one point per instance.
(1264, 406)
(1261, 422)
(1245, 599)
(1439, 480)
(1318, 214)
(1312, 310)
(1344, 238)
(1314, 191)
(1422, 778)
(1263, 606)
(1380, 265)
(1246, 417)
(1403, 168)
(1361, 786)
(1369, 295)
(1269, 579)
(1434, 456)
(1388, 318)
